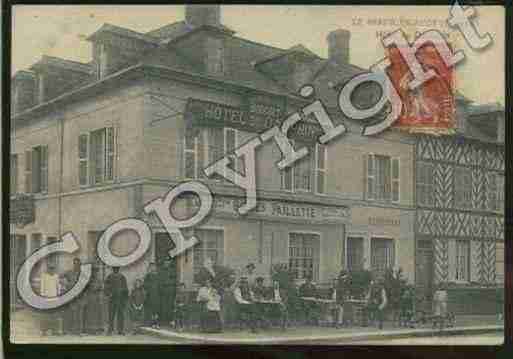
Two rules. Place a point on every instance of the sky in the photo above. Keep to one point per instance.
(61, 31)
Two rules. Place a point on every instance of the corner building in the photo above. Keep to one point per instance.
(94, 142)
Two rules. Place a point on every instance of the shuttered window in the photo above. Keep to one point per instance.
(382, 255)
(425, 184)
(462, 187)
(96, 156)
(36, 170)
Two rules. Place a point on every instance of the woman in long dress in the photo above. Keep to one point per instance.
(210, 314)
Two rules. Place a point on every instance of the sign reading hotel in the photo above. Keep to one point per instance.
(259, 117)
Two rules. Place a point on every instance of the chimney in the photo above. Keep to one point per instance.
(23, 91)
(338, 46)
(199, 15)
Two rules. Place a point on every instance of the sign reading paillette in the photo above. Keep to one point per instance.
(285, 210)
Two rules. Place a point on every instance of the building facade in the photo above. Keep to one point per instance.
(460, 217)
(92, 143)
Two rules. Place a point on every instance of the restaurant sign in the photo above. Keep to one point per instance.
(258, 117)
(22, 210)
(287, 211)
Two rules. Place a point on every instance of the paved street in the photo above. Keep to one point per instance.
(482, 339)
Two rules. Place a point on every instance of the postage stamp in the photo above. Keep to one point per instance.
(256, 174)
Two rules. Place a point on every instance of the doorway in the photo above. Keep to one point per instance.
(424, 272)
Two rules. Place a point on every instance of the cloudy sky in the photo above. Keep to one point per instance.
(61, 31)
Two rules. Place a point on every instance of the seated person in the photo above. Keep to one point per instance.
(180, 307)
(311, 309)
(246, 308)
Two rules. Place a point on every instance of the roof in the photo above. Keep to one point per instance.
(293, 50)
(178, 29)
(109, 28)
(62, 63)
(476, 110)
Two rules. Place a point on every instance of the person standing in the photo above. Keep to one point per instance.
(74, 316)
(440, 303)
(167, 292)
(311, 310)
(341, 293)
(152, 296)
(137, 305)
(246, 308)
(116, 290)
(211, 300)
(50, 287)
(180, 307)
(376, 302)
(93, 314)
(279, 296)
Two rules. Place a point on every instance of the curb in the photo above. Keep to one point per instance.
(342, 338)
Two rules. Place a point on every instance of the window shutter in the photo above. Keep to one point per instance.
(452, 258)
(370, 170)
(110, 141)
(83, 158)
(44, 169)
(475, 259)
(28, 171)
(395, 179)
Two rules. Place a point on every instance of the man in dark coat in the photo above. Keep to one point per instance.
(116, 290)
(74, 313)
(167, 292)
(152, 300)
(311, 309)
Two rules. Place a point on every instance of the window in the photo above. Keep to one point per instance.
(211, 246)
(14, 174)
(382, 255)
(462, 260)
(212, 143)
(304, 255)
(215, 56)
(36, 170)
(425, 184)
(96, 154)
(320, 168)
(52, 259)
(382, 178)
(495, 192)
(307, 174)
(354, 253)
(462, 187)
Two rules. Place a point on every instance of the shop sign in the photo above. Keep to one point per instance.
(259, 117)
(22, 210)
(382, 221)
(284, 210)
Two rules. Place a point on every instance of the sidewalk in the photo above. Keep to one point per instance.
(316, 335)
(25, 328)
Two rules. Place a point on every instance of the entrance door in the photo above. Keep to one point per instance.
(424, 271)
(163, 244)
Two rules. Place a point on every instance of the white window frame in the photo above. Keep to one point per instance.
(363, 237)
(194, 151)
(319, 170)
(371, 175)
(92, 180)
(85, 160)
(379, 237)
(320, 263)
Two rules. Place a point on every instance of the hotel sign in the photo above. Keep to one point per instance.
(259, 116)
(287, 211)
(22, 210)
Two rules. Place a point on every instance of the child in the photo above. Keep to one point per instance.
(211, 320)
(440, 303)
(137, 304)
(406, 308)
(180, 302)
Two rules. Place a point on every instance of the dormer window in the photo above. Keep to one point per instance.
(215, 56)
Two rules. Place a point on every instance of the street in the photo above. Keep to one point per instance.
(482, 339)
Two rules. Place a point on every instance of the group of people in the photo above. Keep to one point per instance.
(251, 304)
(152, 301)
